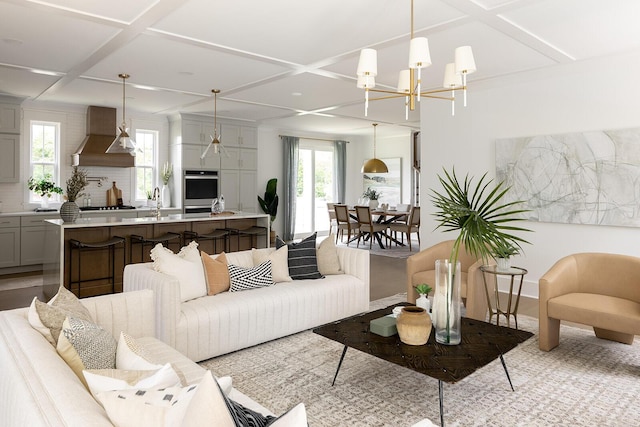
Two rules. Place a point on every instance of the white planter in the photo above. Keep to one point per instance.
(424, 302)
(503, 264)
(373, 204)
(166, 196)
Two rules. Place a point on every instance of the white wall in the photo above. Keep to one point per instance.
(591, 95)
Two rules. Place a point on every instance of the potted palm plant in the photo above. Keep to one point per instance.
(269, 203)
(503, 253)
(483, 224)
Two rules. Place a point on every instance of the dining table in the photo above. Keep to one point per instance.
(382, 216)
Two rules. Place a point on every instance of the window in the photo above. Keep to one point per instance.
(44, 153)
(314, 187)
(146, 141)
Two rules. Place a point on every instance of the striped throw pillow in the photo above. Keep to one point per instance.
(303, 263)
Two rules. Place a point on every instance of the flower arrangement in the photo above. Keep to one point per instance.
(371, 194)
(76, 183)
(44, 186)
(423, 289)
(167, 173)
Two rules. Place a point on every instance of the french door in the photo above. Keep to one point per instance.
(314, 187)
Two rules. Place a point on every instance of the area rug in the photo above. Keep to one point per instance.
(584, 382)
(392, 251)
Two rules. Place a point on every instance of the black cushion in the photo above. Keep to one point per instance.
(303, 263)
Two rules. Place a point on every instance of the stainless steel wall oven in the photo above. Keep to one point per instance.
(200, 187)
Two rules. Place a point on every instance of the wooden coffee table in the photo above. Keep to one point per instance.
(481, 344)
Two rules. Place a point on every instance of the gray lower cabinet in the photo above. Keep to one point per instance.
(9, 241)
(32, 231)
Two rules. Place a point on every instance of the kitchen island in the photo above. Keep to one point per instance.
(98, 262)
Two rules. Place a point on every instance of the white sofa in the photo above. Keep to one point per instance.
(209, 326)
(37, 388)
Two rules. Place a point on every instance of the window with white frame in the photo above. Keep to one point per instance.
(44, 154)
(147, 143)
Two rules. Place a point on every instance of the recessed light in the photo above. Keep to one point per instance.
(296, 93)
(44, 72)
(185, 73)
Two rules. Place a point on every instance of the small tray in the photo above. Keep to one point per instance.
(223, 213)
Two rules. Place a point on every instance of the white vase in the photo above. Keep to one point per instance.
(166, 196)
(44, 202)
(373, 204)
(424, 302)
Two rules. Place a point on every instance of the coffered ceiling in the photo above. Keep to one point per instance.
(289, 64)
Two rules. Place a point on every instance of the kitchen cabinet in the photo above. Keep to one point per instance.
(32, 229)
(9, 241)
(239, 136)
(239, 190)
(10, 139)
(10, 159)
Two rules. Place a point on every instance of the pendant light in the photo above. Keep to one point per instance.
(215, 139)
(374, 165)
(123, 142)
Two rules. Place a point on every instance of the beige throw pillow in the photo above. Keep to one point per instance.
(279, 262)
(327, 255)
(216, 273)
(190, 274)
(48, 318)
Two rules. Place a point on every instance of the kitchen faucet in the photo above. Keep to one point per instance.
(156, 197)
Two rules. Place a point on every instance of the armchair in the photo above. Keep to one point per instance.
(421, 269)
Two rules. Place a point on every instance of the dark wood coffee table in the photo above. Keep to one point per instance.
(481, 344)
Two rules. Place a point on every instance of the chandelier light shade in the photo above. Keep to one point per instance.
(374, 165)
(123, 142)
(410, 81)
(218, 148)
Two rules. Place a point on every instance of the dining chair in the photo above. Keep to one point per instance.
(333, 222)
(367, 225)
(344, 222)
(412, 225)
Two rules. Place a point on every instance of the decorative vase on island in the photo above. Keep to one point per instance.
(166, 196)
(446, 303)
(69, 211)
(414, 325)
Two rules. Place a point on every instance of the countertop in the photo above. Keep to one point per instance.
(57, 212)
(115, 221)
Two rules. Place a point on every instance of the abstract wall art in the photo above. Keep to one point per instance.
(575, 178)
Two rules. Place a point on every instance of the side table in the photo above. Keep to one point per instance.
(513, 272)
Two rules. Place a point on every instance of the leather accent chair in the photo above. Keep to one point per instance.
(596, 289)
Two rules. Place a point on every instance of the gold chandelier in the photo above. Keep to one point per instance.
(374, 165)
(123, 142)
(410, 85)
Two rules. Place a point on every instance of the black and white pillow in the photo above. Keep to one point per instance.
(303, 263)
(242, 278)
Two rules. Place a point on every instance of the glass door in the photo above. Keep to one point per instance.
(314, 188)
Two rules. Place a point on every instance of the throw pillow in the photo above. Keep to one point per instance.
(190, 252)
(85, 345)
(279, 262)
(216, 273)
(294, 417)
(190, 274)
(250, 278)
(241, 259)
(303, 263)
(327, 254)
(196, 405)
(47, 318)
(130, 355)
(100, 380)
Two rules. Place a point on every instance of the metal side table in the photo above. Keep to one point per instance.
(494, 272)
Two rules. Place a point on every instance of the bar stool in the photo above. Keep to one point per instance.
(254, 232)
(80, 247)
(215, 235)
(142, 241)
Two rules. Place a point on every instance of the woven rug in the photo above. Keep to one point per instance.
(392, 251)
(584, 382)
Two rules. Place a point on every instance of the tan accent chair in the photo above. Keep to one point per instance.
(333, 222)
(421, 268)
(595, 289)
